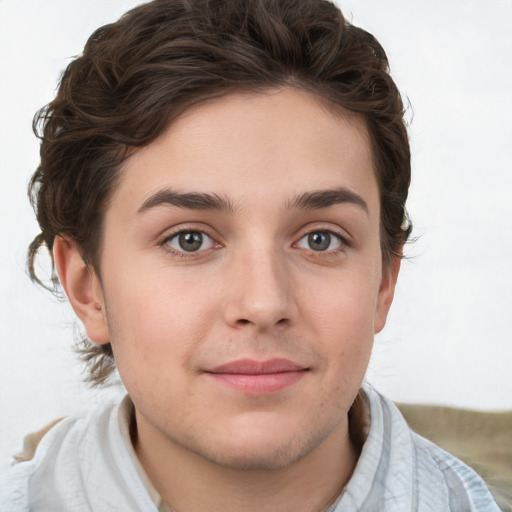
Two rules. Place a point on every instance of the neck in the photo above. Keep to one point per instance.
(188, 482)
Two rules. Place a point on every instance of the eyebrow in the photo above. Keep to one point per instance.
(313, 200)
(324, 198)
(191, 200)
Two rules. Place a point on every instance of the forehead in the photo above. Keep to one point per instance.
(254, 146)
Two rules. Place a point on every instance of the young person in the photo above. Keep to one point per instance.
(222, 188)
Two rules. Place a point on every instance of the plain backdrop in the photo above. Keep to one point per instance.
(448, 337)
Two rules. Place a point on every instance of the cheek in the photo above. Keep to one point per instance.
(156, 324)
(344, 305)
(341, 314)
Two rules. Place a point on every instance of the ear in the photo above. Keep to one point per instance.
(386, 293)
(83, 289)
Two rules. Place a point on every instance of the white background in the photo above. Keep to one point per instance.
(448, 338)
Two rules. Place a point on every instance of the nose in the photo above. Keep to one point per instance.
(260, 292)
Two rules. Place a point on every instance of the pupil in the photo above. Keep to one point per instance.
(319, 241)
(191, 241)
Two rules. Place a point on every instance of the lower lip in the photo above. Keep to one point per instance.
(258, 384)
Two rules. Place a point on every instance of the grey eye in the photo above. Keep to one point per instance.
(190, 241)
(320, 241)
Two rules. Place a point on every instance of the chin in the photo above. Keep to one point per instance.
(259, 452)
(254, 458)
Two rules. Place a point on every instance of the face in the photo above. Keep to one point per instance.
(242, 278)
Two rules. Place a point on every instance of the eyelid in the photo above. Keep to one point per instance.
(338, 232)
(332, 234)
(184, 228)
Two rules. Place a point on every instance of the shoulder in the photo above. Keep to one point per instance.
(83, 463)
(466, 490)
(49, 460)
(410, 465)
(31, 442)
(481, 439)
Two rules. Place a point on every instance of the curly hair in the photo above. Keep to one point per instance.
(135, 76)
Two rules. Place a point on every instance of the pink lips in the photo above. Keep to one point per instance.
(258, 377)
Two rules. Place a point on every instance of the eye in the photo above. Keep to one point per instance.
(190, 241)
(320, 241)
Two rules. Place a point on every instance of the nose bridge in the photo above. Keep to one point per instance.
(261, 288)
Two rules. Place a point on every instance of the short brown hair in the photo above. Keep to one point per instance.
(137, 75)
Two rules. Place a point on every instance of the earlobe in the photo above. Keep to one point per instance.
(83, 289)
(386, 293)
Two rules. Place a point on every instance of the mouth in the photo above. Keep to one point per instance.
(258, 377)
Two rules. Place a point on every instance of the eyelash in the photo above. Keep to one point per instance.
(187, 254)
(343, 244)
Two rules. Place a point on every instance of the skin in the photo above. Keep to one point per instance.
(258, 288)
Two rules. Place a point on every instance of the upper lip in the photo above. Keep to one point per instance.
(254, 367)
